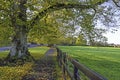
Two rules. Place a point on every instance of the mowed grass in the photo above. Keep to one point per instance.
(3, 54)
(104, 60)
(38, 52)
(17, 72)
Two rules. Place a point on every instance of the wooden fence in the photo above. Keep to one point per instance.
(63, 60)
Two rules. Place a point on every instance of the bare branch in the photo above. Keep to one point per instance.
(116, 3)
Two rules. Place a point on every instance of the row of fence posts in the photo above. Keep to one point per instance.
(63, 59)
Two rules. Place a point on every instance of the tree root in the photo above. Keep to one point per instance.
(14, 61)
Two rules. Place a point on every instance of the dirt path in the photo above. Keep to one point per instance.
(45, 68)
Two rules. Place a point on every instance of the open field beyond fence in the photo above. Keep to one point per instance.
(104, 60)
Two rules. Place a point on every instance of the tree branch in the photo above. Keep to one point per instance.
(116, 3)
(59, 6)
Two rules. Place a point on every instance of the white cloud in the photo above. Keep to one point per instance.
(113, 37)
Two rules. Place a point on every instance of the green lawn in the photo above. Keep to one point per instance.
(3, 54)
(104, 60)
(17, 72)
(36, 52)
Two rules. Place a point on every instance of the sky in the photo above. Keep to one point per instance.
(113, 37)
(112, 34)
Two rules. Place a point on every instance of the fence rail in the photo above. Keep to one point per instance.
(63, 60)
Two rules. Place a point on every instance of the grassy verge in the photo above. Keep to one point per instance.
(17, 72)
(3, 54)
(38, 52)
(104, 60)
(58, 69)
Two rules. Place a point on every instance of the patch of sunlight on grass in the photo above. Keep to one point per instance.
(38, 52)
(3, 54)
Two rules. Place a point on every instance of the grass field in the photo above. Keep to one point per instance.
(36, 52)
(17, 72)
(104, 60)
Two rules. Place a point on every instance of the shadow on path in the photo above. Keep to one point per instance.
(45, 68)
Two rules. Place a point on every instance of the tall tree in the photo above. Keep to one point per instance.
(18, 22)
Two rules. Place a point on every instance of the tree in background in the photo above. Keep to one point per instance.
(80, 40)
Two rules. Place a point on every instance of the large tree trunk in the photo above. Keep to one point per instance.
(19, 48)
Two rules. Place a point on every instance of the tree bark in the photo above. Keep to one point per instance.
(19, 43)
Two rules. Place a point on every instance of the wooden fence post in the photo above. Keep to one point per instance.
(57, 54)
(59, 57)
(75, 72)
(64, 64)
(64, 60)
